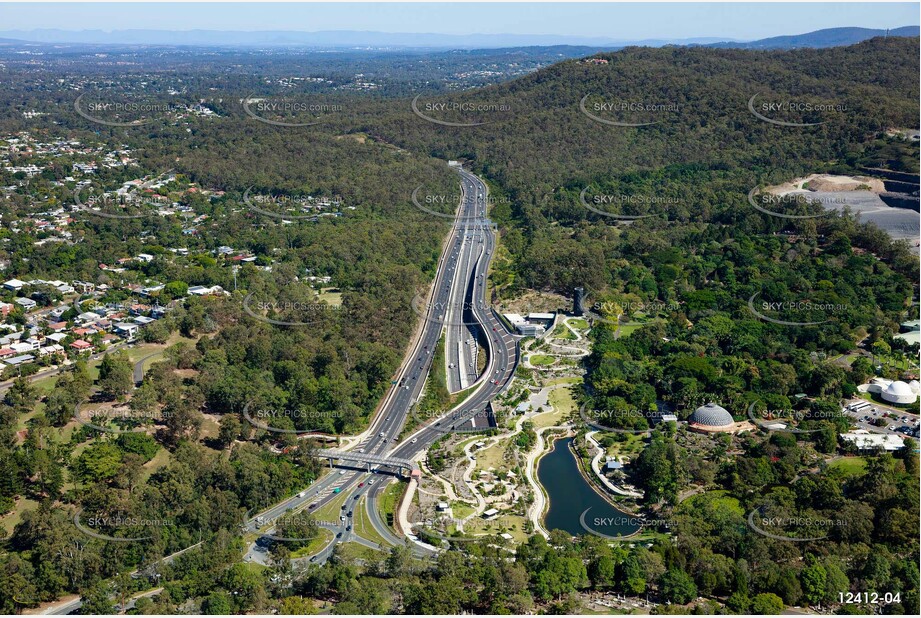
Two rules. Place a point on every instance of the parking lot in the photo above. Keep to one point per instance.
(895, 420)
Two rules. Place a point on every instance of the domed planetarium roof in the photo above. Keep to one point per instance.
(899, 388)
(899, 392)
(711, 415)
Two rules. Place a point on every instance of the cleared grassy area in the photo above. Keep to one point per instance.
(631, 444)
(628, 329)
(387, 503)
(562, 400)
(9, 521)
(546, 419)
(540, 360)
(511, 524)
(490, 457)
(578, 323)
(356, 551)
(332, 296)
(462, 509)
(160, 460)
(322, 539)
(852, 466)
(563, 333)
(363, 526)
(569, 380)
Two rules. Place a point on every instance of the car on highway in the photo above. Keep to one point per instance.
(337, 490)
(414, 440)
(314, 558)
(361, 484)
(350, 513)
(313, 506)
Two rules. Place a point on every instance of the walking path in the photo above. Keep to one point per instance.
(596, 468)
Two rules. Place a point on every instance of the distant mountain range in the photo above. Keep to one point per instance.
(830, 37)
(381, 40)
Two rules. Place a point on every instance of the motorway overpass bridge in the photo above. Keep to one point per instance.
(368, 460)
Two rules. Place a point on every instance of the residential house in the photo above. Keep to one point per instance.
(81, 346)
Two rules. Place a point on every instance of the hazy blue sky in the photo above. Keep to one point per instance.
(615, 20)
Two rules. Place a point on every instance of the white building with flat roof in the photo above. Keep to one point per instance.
(864, 440)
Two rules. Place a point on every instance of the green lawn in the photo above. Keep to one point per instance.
(541, 359)
(363, 526)
(561, 332)
(356, 551)
(578, 323)
(331, 296)
(9, 521)
(851, 466)
(462, 509)
(562, 400)
(160, 460)
(628, 329)
(322, 539)
(388, 501)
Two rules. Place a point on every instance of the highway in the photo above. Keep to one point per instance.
(456, 277)
(461, 329)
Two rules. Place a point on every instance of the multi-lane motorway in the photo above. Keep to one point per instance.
(461, 274)
(461, 328)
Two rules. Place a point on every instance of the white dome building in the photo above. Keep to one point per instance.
(899, 392)
(711, 418)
